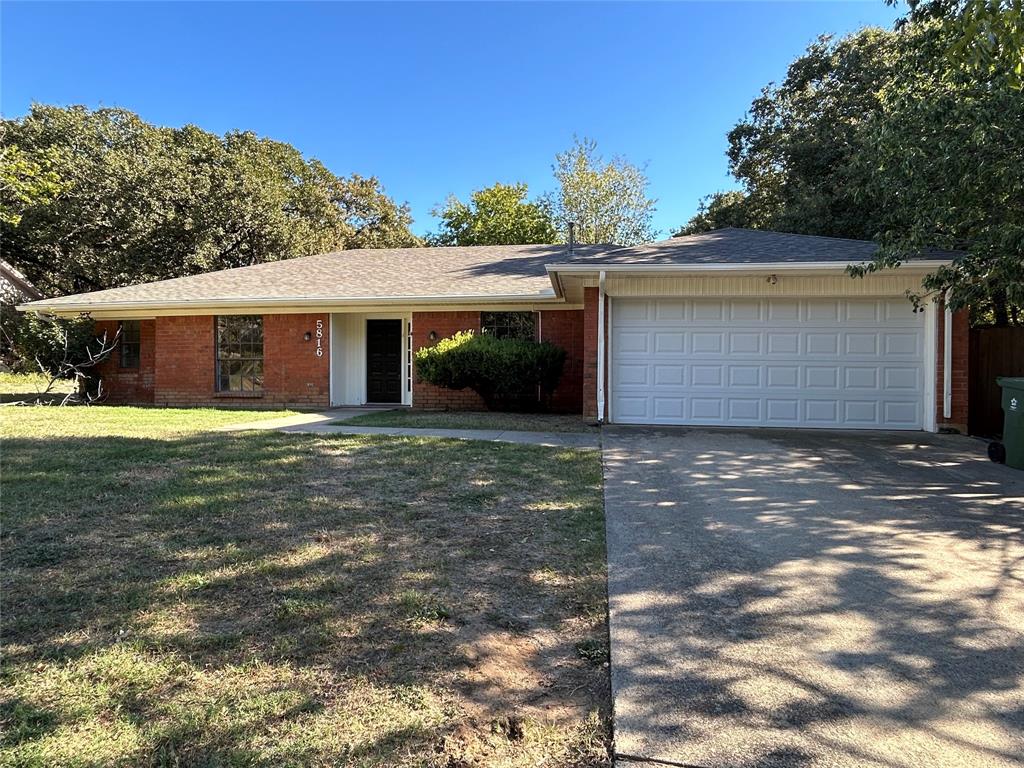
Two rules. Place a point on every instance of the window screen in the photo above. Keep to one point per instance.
(509, 325)
(131, 344)
(240, 353)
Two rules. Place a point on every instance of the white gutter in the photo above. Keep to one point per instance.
(785, 266)
(600, 348)
(947, 362)
(296, 301)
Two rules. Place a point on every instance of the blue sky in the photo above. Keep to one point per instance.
(432, 98)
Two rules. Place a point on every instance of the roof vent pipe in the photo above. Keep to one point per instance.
(572, 237)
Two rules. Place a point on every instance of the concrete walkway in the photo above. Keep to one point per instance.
(321, 424)
(304, 419)
(805, 599)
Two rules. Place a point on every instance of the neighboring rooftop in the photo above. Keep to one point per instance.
(744, 246)
(14, 286)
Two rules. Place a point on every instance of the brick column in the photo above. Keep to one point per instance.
(590, 303)
(959, 380)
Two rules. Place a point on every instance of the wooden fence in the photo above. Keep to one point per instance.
(994, 352)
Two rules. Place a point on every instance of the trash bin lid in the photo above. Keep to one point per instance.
(1010, 381)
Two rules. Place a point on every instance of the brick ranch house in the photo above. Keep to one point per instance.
(728, 328)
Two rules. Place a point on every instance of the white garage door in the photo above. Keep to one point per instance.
(768, 362)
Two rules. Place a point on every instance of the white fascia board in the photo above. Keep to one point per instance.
(312, 302)
(782, 266)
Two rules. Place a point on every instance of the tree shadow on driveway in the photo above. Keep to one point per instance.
(813, 598)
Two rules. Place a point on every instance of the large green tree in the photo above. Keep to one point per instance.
(794, 151)
(883, 135)
(985, 38)
(95, 199)
(498, 215)
(606, 199)
(719, 210)
(943, 162)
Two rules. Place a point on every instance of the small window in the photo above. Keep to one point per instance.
(240, 353)
(131, 344)
(509, 325)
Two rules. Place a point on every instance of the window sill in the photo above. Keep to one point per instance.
(244, 395)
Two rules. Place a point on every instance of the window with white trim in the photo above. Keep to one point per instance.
(239, 353)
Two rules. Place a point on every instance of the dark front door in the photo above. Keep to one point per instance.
(383, 361)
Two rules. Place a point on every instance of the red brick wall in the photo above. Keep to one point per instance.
(129, 385)
(444, 324)
(292, 371)
(590, 353)
(185, 360)
(564, 327)
(293, 374)
(960, 356)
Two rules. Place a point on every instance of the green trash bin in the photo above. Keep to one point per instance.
(1013, 420)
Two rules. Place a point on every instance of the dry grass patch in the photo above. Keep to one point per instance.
(272, 599)
(516, 422)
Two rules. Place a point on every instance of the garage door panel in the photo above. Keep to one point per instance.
(669, 375)
(900, 311)
(744, 343)
(670, 409)
(821, 376)
(708, 310)
(707, 408)
(744, 409)
(744, 376)
(633, 408)
(744, 311)
(902, 344)
(631, 374)
(783, 343)
(861, 412)
(822, 311)
(632, 342)
(862, 344)
(707, 375)
(821, 411)
(778, 411)
(861, 378)
(818, 363)
(669, 341)
(784, 311)
(902, 378)
(863, 312)
(705, 343)
(670, 310)
(822, 343)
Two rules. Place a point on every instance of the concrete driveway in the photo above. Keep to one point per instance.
(798, 599)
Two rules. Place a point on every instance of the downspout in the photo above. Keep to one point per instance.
(600, 348)
(947, 361)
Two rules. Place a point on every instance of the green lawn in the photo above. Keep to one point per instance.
(524, 422)
(22, 386)
(180, 597)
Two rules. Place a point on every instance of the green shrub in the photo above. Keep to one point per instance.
(506, 373)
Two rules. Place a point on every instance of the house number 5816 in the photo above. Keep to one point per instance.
(319, 338)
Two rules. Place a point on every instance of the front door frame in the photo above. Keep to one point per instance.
(348, 356)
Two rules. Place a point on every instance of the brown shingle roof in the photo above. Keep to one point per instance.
(480, 273)
(746, 246)
(386, 273)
